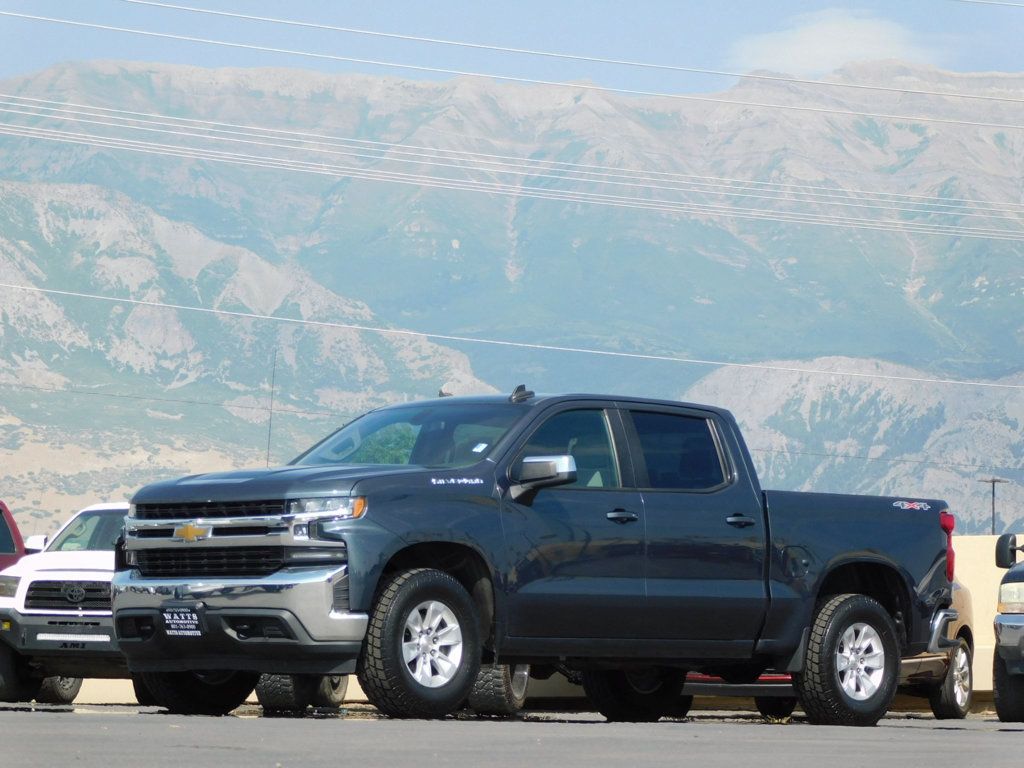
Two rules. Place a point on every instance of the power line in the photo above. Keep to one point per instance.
(992, 2)
(510, 344)
(171, 400)
(664, 206)
(514, 161)
(884, 460)
(512, 79)
(568, 56)
(636, 182)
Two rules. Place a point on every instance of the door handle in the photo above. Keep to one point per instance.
(740, 521)
(622, 516)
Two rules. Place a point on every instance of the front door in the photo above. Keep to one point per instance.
(575, 553)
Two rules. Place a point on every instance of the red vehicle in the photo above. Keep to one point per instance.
(11, 545)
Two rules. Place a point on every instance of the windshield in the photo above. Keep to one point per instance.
(436, 435)
(93, 531)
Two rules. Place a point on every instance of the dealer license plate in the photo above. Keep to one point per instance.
(182, 622)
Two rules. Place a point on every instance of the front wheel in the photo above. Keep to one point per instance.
(951, 699)
(852, 663)
(59, 690)
(500, 689)
(422, 648)
(1008, 692)
(16, 684)
(635, 696)
(200, 693)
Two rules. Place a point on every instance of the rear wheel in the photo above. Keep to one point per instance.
(422, 649)
(500, 689)
(852, 664)
(775, 707)
(1008, 692)
(951, 699)
(200, 693)
(16, 684)
(286, 693)
(59, 690)
(635, 696)
(330, 694)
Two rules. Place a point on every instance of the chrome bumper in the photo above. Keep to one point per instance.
(938, 642)
(306, 593)
(1009, 629)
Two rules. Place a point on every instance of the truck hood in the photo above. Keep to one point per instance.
(288, 482)
(44, 562)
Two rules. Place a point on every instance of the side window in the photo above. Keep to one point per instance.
(679, 451)
(585, 436)
(6, 538)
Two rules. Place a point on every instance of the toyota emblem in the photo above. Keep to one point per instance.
(73, 593)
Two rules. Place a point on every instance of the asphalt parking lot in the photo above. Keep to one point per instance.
(102, 736)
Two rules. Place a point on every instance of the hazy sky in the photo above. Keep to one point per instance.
(801, 38)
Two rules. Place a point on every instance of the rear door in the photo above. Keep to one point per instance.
(705, 545)
(575, 552)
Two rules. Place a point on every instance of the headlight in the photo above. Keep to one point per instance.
(9, 585)
(339, 507)
(131, 510)
(1011, 597)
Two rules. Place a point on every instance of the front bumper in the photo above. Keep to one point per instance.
(59, 644)
(292, 621)
(1009, 629)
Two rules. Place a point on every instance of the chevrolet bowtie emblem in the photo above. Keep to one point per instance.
(190, 533)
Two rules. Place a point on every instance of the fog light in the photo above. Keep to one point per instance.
(301, 531)
(5, 626)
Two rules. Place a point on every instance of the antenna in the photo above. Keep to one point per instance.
(520, 394)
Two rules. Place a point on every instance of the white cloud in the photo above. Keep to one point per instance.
(815, 43)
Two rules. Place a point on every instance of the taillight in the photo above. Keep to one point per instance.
(948, 523)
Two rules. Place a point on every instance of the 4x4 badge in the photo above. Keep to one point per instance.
(190, 533)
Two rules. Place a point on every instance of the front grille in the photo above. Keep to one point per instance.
(209, 509)
(210, 561)
(68, 595)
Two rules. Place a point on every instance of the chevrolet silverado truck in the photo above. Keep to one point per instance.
(1008, 660)
(624, 539)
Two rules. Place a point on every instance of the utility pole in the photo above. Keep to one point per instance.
(993, 481)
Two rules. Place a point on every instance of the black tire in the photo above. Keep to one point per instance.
(500, 689)
(330, 694)
(402, 603)
(775, 707)
(642, 696)
(16, 684)
(200, 693)
(681, 708)
(951, 699)
(1008, 692)
(286, 693)
(820, 686)
(59, 690)
(143, 695)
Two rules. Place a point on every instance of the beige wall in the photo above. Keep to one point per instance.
(975, 568)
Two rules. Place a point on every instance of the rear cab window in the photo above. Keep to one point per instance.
(678, 451)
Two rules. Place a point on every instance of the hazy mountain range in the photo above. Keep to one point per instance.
(99, 396)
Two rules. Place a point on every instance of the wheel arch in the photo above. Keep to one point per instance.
(461, 561)
(877, 580)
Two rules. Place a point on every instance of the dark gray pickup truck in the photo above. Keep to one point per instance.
(624, 539)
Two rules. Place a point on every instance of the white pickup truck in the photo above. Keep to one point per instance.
(55, 620)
